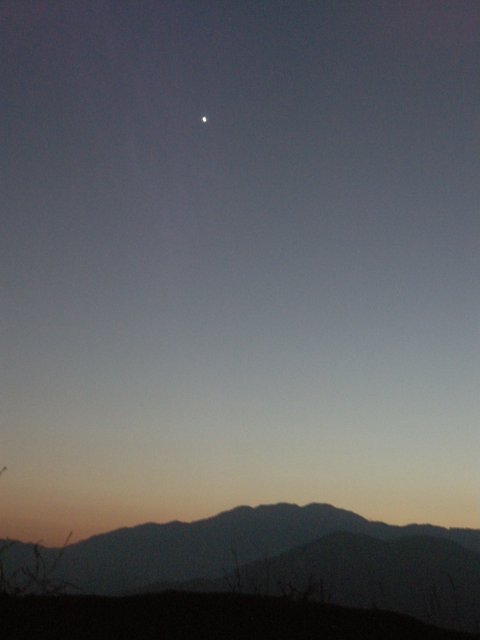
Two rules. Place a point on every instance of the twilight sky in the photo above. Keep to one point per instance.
(282, 304)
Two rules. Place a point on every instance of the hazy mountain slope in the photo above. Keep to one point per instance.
(435, 580)
(469, 538)
(128, 558)
(178, 551)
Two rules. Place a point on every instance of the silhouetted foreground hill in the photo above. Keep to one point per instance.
(127, 559)
(187, 616)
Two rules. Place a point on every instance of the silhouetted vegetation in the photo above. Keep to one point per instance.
(36, 578)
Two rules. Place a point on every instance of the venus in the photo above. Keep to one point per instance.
(204, 119)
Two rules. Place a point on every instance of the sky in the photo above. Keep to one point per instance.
(281, 304)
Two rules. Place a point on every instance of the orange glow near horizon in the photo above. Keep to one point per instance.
(51, 526)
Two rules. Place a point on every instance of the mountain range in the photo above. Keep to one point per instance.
(316, 551)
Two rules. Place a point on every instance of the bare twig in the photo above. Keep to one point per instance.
(37, 579)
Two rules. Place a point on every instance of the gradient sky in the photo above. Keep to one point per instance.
(282, 304)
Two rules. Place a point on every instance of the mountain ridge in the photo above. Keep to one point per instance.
(132, 557)
(244, 509)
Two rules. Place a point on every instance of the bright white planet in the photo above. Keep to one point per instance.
(204, 119)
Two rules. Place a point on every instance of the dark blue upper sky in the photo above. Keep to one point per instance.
(280, 304)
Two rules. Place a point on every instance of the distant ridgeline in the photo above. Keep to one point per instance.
(316, 552)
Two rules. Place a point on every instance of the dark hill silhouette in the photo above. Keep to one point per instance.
(187, 616)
